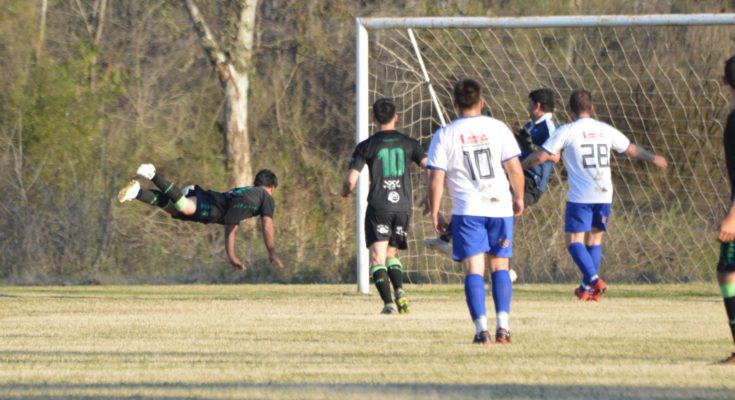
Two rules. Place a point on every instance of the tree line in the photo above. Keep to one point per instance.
(92, 88)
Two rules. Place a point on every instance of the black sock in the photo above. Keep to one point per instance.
(730, 308)
(395, 272)
(168, 188)
(153, 197)
(380, 277)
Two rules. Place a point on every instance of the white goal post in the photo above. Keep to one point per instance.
(663, 99)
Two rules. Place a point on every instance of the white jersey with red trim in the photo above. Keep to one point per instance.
(472, 150)
(586, 143)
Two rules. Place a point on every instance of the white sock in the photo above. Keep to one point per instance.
(503, 320)
(480, 324)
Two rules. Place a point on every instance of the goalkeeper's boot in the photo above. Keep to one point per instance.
(389, 308)
(439, 244)
(129, 192)
(728, 361)
(502, 335)
(482, 338)
(582, 293)
(402, 302)
(147, 171)
(598, 289)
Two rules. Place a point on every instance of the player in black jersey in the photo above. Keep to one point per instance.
(386, 153)
(210, 207)
(726, 265)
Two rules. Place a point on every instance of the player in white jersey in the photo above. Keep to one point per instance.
(472, 154)
(587, 144)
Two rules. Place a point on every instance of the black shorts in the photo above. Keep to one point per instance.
(727, 257)
(390, 227)
(211, 206)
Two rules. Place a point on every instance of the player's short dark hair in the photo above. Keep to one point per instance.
(467, 93)
(384, 109)
(730, 72)
(580, 101)
(266, 178)
(543, 96)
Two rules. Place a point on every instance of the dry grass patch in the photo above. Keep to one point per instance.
(318, 341)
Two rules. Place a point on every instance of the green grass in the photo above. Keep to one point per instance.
(319, 341)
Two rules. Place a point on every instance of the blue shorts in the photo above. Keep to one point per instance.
(582, 217)
(473, 235)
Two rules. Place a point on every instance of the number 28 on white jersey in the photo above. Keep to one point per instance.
(587, 143)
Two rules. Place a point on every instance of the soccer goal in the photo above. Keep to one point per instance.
(657, 78)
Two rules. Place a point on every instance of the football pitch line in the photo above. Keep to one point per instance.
(326, 341)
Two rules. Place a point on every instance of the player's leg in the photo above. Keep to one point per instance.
(185, 205)
(154, 198)
(379, 272)
(593, 242)
(502, 291)
(578, 221)
(531, 193)
(470, 246)
(500, 240)
(474, 290)
(726, 279)
(395, 273)
(441, 243)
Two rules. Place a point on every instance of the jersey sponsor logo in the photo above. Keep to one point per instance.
(391, 184)
(394, 197)
(473, 139)
(593, 135)
(382, 229)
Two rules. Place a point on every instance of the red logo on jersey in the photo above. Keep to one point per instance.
(474, 139)
(593, 135)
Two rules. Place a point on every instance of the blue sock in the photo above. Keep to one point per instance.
(474, 291)
(583, 260)
(502, 291)
(596, 254)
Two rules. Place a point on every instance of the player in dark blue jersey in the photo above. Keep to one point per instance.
(387, 154)
(532, 136)
(210, 207)
(726, 265)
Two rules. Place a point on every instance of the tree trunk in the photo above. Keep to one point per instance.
(235, 85)
(42, 29)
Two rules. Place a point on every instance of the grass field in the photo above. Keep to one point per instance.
(317, 341)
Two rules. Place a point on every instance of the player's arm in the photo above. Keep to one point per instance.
(640, 153)
(515, 175)
(230, 234)
(540, 157)
(726, 227)
(269, 238)
(436, 189)
(350, 181)
(426, 201)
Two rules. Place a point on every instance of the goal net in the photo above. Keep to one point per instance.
(658, 79)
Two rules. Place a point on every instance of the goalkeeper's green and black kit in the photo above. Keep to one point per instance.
(727, 250)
